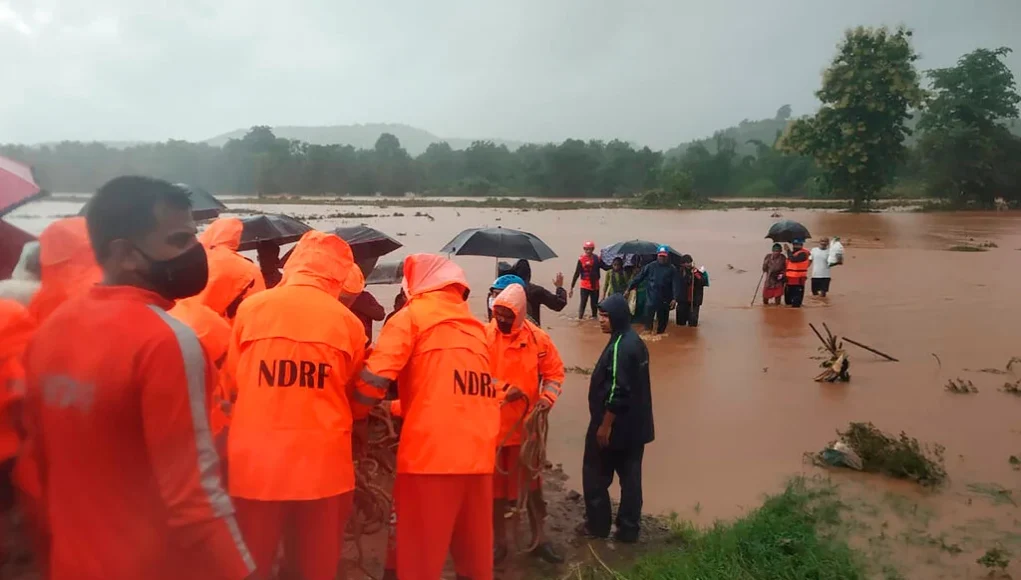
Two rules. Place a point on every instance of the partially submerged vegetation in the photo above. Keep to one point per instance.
(960, 387)
(901, 457)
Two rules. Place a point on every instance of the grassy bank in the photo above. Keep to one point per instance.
(797, 534)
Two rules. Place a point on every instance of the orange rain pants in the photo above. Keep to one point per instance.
(314, 528)
(440, 513)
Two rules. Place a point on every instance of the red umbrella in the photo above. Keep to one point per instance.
(12, 240)
(17, 185)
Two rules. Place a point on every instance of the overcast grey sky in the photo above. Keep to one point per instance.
(656, 72)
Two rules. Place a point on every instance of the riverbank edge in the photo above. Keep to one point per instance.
(887, 205)
(799, 532)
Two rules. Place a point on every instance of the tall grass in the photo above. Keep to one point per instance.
(793, 536)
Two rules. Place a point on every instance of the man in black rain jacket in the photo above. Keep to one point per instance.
(536, 295)
(663, 285)
(620, 425)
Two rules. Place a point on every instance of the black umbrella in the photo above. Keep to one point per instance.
(498, 243)
(788, 231)
(366, 243)
(276, 228)
(203, 205)
(629, 249)
(386, 273)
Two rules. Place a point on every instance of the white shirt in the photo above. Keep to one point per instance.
(820, 263)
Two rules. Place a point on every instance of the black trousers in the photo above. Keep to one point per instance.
(590, 296)
(598, 467)
(687, 314)
(794, 295)
(660, 312)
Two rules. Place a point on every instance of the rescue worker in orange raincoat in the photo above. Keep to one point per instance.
(16, 328)
(523, 355)
(67, 269)
(294, 350)
(232, 277)
(796, 276)
(116, 395)
(437, 352)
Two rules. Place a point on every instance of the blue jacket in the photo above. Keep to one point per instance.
(663, 282)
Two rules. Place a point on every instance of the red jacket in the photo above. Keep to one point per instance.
(116, 403)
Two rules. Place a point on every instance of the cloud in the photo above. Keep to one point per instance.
(656, 72)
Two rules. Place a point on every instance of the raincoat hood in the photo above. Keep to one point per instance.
(320, 260)
(229, 277)
(67, 265)
(355, 283)
(430, 272)
(223, 232)
(523, 270)
(620, 316)
(513, 297)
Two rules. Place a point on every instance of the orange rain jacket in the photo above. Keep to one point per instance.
(67, 265)
(16, 327)
(115, 399)
(231, 275)
(292, 355)
(213, 333)
(436, 351)
(522, 358)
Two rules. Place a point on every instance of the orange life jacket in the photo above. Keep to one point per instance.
(587, 264)
(522, 359)
(437, 352)
(797, 272)
(293, 352)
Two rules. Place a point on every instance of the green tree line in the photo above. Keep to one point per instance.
(878, 132)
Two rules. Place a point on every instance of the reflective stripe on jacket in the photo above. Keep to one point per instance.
(436, 350)
(293, 352)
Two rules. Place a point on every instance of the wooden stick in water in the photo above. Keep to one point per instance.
(870, 349)
(821, 339)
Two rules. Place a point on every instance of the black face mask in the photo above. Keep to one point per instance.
(504, 326)
(180, 277)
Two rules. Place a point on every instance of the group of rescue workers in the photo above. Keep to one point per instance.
(166, 416)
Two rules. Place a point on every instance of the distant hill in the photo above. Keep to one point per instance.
(764, 130)
(414, 140)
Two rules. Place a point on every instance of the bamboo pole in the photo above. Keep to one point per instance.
(872, 350)
(821, 339)
(756, 294)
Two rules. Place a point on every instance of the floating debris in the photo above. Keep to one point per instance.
(837, 365)
(960, 386)
(425, 215)
(578, 370)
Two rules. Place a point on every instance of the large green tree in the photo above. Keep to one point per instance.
(968, 153)
(857, 136)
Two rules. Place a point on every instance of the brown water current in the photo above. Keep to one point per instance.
(735, 403)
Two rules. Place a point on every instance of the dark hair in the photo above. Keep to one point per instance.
(777, 247)
(124, 208)
(686, 258)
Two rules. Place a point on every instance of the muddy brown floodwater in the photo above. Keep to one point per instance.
(735, 404)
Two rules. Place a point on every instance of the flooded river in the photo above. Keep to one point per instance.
(735, 403)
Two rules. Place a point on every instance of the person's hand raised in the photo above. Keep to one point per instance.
(558, 280)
